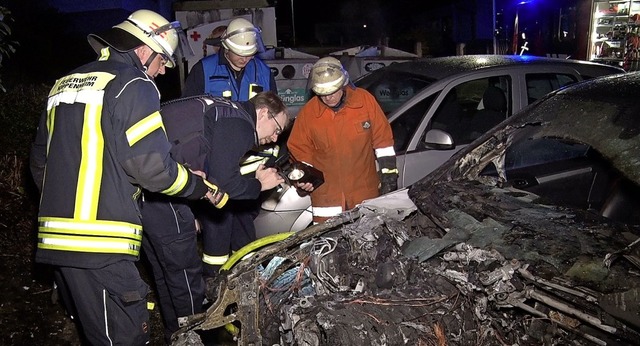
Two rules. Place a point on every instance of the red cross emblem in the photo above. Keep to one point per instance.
(195, 36)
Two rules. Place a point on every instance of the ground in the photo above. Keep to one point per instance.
(28, 313)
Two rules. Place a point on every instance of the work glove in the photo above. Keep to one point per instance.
(388, 182)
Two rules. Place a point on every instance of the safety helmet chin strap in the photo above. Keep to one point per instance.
(147, 63)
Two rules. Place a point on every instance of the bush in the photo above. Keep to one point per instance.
(7, 46)
(20, 109)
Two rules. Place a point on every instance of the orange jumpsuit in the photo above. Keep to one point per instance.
(344, 145)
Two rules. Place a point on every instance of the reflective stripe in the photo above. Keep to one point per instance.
(87, 89)
(89, 236)
(252, 162)
(144, 127)
(326, 211)
(104, 54)
(214, 260)
(90, 174)
(252, 167)
(388, 151)
(181, 181)
(389, 171)
(84, 244)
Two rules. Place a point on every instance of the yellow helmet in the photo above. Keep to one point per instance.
(328, 76)
(142, 27)
(241, 37)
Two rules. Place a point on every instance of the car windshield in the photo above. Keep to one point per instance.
(392, 88)
(615, 118)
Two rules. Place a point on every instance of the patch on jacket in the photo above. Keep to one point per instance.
(366, 125)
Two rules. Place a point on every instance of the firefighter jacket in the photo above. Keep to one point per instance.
(231, 133)
(212, 75)
(344, 145)
(100, 140)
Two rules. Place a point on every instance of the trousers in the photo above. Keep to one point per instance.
(110, 303)
(169, 243)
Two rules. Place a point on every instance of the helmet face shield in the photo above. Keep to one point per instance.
(164, 39)
(327, 76)
(242, 38)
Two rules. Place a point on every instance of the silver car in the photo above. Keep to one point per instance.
(437, 106)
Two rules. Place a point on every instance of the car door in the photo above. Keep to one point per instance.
(451, 112)
(468, 106)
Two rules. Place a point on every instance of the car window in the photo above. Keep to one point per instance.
(406, 124)
(391, 88)
(472, 108)
(540, 84)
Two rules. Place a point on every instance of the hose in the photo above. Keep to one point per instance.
(254, 245)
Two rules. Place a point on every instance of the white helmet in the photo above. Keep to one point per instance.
(241, 37)
(328, 76)
(142, 27)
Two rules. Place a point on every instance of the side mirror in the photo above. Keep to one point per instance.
(438, 140)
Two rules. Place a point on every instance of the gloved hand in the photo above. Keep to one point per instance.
(388, 183)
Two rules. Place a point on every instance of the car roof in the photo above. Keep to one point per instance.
(443, 67)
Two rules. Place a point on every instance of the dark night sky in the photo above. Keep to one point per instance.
(50, 43)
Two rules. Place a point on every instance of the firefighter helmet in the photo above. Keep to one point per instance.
(328, 76)
(142, 27)
(241, 37)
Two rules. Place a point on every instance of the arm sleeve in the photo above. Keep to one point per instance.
(300, 142)
(194, 84)
(142, 145)
(230, 139)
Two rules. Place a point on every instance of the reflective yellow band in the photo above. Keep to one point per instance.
(389, 171)
(144, 127)
(214, 260)
(326, 211)
(104, 54)
(90, 227)
(151, 305)
(180, 182)
(250, 168)
(89, 236)
(88, 244)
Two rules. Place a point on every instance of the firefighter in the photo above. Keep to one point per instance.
(228, 230)
(235, 72)
(101, 140)
(342, 131)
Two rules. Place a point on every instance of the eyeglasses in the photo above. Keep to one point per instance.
(279, 129)
(164, 60)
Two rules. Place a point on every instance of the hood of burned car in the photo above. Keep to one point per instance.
(467, 264)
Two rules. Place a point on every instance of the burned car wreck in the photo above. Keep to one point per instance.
(528, 236)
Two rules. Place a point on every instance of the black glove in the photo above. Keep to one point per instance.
(388, 183)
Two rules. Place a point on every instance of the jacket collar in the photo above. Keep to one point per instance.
(352, 99)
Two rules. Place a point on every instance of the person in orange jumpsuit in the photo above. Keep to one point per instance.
(342, 131)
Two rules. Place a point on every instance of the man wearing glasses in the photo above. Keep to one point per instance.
(208, 134)
(230, 138)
